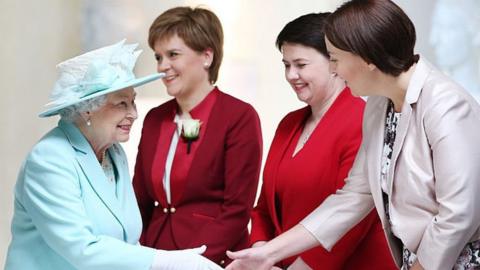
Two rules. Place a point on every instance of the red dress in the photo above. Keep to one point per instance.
(293, 186)
(212, 187)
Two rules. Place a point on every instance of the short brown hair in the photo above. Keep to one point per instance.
(199, 28)
(378, 31)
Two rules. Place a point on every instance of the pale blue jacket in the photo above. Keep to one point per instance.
(67, 214)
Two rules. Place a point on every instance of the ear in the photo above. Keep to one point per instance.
(85, 116)
(208, 56)
(371, 67)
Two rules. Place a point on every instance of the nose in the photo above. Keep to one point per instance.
(163, 65)
(132, 113)
(291, 74)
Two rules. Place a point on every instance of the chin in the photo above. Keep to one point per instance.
(123, 138)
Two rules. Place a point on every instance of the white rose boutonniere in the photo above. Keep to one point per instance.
(190, 131)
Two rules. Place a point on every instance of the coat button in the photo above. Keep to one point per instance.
(165, 210)
(155, 203)
(172, 210)
(222, 262)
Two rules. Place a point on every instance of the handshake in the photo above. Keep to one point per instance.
(186, 259)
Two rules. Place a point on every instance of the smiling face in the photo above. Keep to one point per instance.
(112, 122)
(185, 68)
(307, 71)
(353, 69)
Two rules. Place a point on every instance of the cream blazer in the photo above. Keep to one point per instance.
(434, 180)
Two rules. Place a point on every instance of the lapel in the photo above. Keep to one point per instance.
(414, 89)
(211, 125)
(373, 135)
(167, 127)
(93, 171)
(277, 152)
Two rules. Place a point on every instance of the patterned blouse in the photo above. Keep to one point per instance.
(469, 258)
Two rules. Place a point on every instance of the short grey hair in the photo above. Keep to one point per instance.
(72, 112)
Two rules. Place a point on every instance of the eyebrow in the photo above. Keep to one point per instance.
(296, 60)
(127, 96)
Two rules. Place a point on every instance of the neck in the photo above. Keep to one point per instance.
(395, 87)
(187, 103)
(334, 89)
(98, 147)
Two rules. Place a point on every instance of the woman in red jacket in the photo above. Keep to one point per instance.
(311, 154)
(199, 156)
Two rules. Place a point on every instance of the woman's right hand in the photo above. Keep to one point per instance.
(183, 259)
(254, 258)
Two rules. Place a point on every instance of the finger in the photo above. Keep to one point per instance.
(236, 255)
(199, 250)
(231, 255)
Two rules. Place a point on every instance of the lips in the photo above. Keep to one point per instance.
(298, 86)
(125, 128)
(169, 78)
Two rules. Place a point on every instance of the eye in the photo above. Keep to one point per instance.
(172, 54)
(286, 65)
(301, 65)
(158, 58)
(123, 104)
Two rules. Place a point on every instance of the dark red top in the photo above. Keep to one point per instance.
(213, 196)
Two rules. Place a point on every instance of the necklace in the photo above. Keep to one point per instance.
(108, 167)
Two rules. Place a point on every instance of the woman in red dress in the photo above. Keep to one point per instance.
(311, 154)
(199, 156)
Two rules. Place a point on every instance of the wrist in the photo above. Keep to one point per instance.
(270, 253)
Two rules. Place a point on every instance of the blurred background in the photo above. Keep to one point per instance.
(36, 35)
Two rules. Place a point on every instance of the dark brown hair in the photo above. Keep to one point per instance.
(306, 30)
(199, 28)
(378, 31)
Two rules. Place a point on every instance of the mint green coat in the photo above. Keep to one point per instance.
(67, 214)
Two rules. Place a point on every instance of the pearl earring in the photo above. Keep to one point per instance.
(89, 123)
(206, 65)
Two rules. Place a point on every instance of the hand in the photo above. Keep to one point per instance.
(183, 259)
(250, 259)
(416, 266)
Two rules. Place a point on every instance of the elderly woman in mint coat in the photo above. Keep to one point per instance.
(74, 203)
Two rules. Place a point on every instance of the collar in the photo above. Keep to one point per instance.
(422, 70)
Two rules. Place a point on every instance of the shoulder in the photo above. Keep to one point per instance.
(53, 145)
(294, 117)
(233, 105)
(349, 108)
(162, 110)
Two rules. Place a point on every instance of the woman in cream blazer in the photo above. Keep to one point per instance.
(418, 163)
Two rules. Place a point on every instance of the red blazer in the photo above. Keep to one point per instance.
(317, 171)
(213, 205)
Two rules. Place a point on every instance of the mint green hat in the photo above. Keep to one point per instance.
(95, 73)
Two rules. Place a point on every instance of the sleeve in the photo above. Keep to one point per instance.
(344, 209)
(52, 197)
(262, 225)
(243, 154)
(452, 128)
(144, 200)
(347, 244)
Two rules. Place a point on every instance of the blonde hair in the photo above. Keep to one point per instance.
(199, 28)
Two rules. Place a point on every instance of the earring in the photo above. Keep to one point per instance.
(206, 65)
(89, 123)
